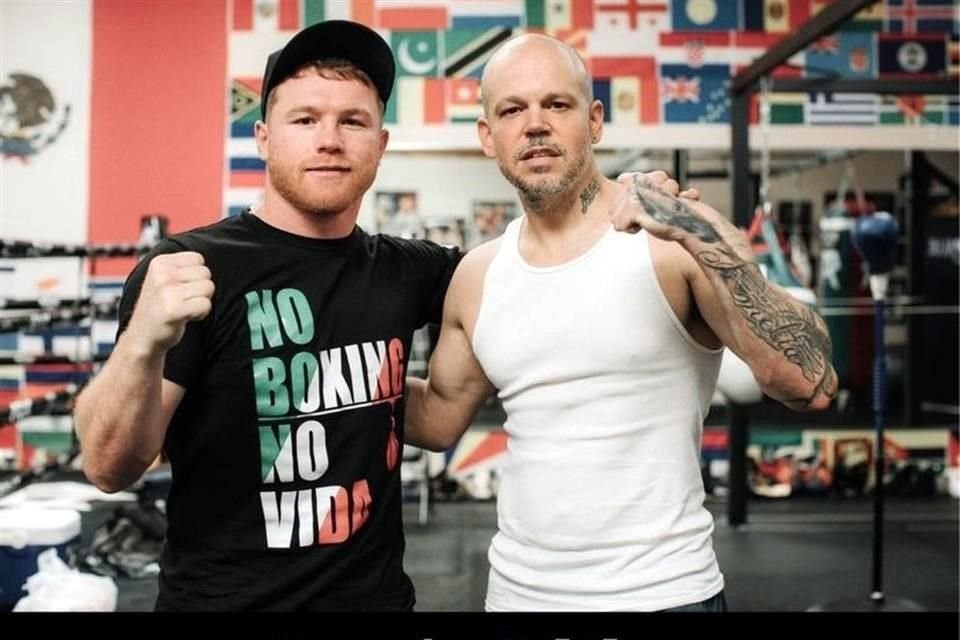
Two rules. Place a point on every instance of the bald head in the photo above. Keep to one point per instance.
(535, 47)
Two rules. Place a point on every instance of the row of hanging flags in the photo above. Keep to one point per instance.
(653, 62)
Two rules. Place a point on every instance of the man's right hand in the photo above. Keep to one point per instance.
(178, 288)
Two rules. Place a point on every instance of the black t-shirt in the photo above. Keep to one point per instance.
(285, 448)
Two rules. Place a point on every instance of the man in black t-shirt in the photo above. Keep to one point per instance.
(265, 355)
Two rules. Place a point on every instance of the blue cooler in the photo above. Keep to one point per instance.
(24, 534)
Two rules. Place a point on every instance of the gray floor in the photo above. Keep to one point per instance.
(790, 556)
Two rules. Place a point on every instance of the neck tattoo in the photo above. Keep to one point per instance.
(588, 195)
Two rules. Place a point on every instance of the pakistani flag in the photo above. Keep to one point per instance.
(417, 53)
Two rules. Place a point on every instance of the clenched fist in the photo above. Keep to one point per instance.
(654, 202)
(658, 180)
(178, 288)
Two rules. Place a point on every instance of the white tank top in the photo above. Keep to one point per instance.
(600, 503)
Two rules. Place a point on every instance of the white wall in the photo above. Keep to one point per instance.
(447, 183)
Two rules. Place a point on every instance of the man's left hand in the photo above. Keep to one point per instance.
(653, 201)
(658, 180)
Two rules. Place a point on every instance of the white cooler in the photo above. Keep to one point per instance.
(24, 534)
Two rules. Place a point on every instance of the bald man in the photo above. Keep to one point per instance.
(604, 348)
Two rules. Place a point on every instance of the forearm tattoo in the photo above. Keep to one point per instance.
(672, 211)
(588, 195)
(789, 328)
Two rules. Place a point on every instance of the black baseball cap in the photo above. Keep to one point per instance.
(332, 39)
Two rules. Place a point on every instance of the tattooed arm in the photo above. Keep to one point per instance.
(783, 341)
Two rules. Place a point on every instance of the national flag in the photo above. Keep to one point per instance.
(625, 100)
(478, 451)
(913, 110)
(913, 16)
(417, 52)
(362, 11)
(244, 106)
(705, 15)
(486, 14)
(463, 99)
(775, 16)
(247, 51)
(694, 48)
(695, 95)
(558, 14)
(850, 54)
(289, 15)
(787, 108)
(254, 34)
(246, 175)
(633, 14)
(919, 110)
(610, 83)
(621, 99)
(698, 48)
(466, 51)
(411, 15)
(418, 101)
(842, 109)
(292, 15)
(920, 55)
(627, 27)
(45, 71)
(871, 18)
(265, 15)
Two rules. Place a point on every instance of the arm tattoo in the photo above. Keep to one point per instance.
(791, 329)
(588, 195)
(788, 328)
(672, 211)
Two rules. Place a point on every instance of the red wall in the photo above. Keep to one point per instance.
(158, 117)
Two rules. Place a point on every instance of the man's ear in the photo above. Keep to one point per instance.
(596, 121)
(262, 136)
(486, 137)
(384, 139)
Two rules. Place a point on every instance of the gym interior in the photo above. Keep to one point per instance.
(127, 122)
